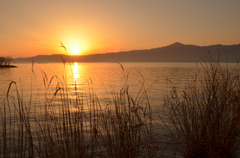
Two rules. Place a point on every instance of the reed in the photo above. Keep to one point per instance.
(126, 124)
(63, 124)
(203, 119)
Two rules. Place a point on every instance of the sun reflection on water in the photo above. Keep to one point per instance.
(76, 75)
(76, 83)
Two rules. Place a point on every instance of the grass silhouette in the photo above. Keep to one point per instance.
(202, 120)
(62, 125)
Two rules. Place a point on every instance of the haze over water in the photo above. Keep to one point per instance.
(51, 110)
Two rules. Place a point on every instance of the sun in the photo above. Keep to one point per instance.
(75, 49)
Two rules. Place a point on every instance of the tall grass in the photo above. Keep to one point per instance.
(63, 124)
(126, 124)
(203, 120)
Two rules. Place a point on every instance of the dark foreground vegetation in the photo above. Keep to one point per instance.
(5, 62)
(203, 120)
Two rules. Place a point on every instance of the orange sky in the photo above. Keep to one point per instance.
(30, 27)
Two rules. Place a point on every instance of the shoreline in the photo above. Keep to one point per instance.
(8, 66)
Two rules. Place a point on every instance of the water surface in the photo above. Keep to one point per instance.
(102, 76)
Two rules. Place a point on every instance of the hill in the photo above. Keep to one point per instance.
(175, 52)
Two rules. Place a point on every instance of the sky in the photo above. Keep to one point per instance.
(37, 27)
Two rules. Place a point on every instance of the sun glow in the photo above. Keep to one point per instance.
(75, 50)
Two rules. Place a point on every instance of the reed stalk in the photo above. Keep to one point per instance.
(61, 123)
(203, 119)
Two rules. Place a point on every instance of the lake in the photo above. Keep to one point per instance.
(103, 76)
(62, 109)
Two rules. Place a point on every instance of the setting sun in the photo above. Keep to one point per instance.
(75, 50)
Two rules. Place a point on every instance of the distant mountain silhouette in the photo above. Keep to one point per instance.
(176, 52)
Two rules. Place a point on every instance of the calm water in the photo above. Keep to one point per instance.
(38, 83)
(104, 77)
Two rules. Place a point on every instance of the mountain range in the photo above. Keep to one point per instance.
(176, 52)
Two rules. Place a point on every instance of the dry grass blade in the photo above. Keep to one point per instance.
(63, 46)
(121, 66)
(33, 66)
(9, 87)
(204, 118)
